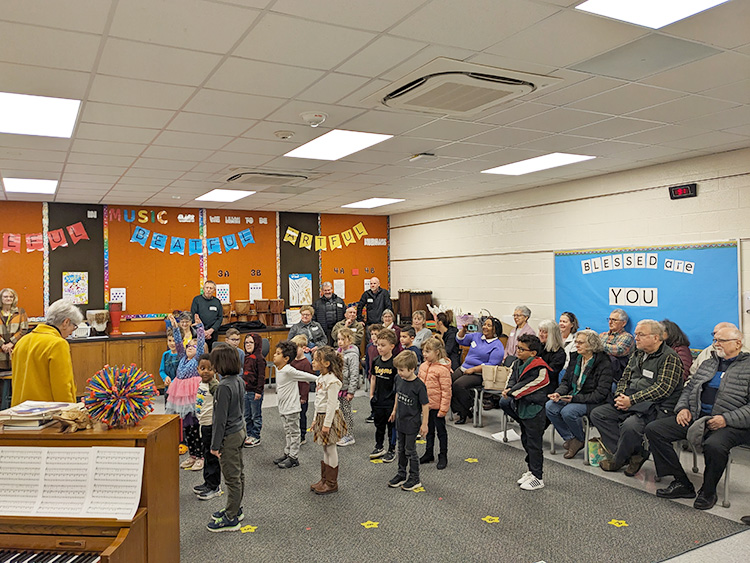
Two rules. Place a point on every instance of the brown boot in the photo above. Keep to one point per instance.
(574, 446)
(319, 484)
(331, 484)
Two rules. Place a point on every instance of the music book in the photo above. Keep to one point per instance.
(95, 482)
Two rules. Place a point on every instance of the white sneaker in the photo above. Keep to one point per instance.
(189, 462)
(533, 484)
(345, 441)
(525, 477)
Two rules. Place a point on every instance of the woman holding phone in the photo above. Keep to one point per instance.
(586, 384)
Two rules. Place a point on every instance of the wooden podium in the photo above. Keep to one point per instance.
(159, 506)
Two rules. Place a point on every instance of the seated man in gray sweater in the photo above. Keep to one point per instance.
(713, 412)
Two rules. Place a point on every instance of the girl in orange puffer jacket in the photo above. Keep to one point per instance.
(435, 372)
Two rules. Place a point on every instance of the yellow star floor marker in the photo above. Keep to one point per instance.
(248, 528)
(492, 519)
(421, 441)
(355, 412)
(419, 490)
(618, 523)
(471, 460)
(376, 461)
(369, 524)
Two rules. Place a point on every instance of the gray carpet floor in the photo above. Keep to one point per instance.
(568, 520)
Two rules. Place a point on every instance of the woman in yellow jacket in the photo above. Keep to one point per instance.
(42, 366)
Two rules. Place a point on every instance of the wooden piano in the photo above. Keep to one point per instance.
(152, 536)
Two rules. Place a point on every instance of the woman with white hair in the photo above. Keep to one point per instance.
(521, 316)
(42, 366)
(554, 350)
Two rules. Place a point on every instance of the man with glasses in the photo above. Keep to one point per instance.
(209, 309)
(708, 350)
(648, 389)
(713, 410)
(617, 342)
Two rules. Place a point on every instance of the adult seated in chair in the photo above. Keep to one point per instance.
(484, 348)
(708, 350)
(714, 408)
(648, 389)
(316, 336)
(554, 351)
(618, 342)
(585, 385)
(350, 321)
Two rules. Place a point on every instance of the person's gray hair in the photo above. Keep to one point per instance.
(327, 284)
(735, 333)
(592, 339)
(655, 327)
(61, 310)
(388, 312)
(554, 338)
(622, 314)
(525, 311)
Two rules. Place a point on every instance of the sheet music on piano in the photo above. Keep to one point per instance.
(94, 482)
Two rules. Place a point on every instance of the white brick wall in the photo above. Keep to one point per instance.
(497, 252)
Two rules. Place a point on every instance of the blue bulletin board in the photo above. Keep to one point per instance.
(695, 286)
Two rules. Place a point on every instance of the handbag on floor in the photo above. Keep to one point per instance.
(495, 377)
(596, 451)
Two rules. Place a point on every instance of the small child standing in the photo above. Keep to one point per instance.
(301, 363)
(254, 376)
(204, 410)
(228, 435)
(436, 374)
(349, 382)
(169, 362)
(371, 352)
(287, 393)
(382, 395)
(328, 426)
(407, 342)
(234, 338)
(410, 411)
(183, 390)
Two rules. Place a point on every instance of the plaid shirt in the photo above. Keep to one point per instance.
(665, 380)
(618, 343)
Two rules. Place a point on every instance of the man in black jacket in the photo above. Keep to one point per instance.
(329, 309)
(375, 300)
(210, 312)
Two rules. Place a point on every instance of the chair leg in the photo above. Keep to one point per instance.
(725, 503)
(505, 427)
(552, 440)
(478, 399)
(586, 430)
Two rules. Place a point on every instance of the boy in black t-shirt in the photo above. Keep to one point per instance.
(383, 394)
(411, 412)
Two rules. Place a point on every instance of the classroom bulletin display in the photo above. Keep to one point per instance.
(162, 256)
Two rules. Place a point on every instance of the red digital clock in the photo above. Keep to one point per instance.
(681, 192)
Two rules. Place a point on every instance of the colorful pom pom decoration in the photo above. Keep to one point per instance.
(120, 397)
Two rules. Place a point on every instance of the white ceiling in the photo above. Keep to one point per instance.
(177, 92)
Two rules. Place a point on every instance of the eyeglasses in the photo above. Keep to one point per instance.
(721, 340)
(191, 346)
(643, 334)
(519, 349)
(75, 327)
(518, 315)
(611, 320)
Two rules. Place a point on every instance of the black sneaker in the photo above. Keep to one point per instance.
(278, 460)
(220, 514)
(198, 489)
(224, 524)
(411, 484)
(376, 453)
(370, 419)
(389, 457)
(442, 461)
(397, 481)
(288, 463)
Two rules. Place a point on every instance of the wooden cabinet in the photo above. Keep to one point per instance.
(88, 358)
(152, 350)
(124, 353)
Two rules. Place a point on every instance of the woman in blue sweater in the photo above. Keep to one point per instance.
(484, 348)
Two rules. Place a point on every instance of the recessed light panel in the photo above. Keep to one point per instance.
(539, 163)
(337, 144)
(21, 114)
(224, 196)
(29, 186)
(372, 202)
(648, 13)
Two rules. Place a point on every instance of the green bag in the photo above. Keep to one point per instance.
(596, 451)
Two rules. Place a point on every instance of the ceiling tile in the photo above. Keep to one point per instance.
(332, 88)
(738, 92)
(387, 122)
(199, 25)
(96, 132)
(191, 140)
(707, 140)
(580, 90)
(290, 113)
(38, 81)
(558, 120)
(377, 16)
(130, 59)
(450, 130)
(626, 99)
(71, 51)
(458, 24)
(163, 164)
(615, 127)
(464, 150)
(30, 154)
(725, 25)
(102, 159)
(506, 137)
(136, 174)
(34, 142)
(229, 104)
(111, 114)
(423, 57)
(107, 147)
(176, 153)
(683, 108)
(256, 77)
(209, 124)
(93, 169)
(663, 134)
(516, 112)
(711, 72)
(721, 120)
(74, 15)
(384, 53)
(238, 159)
(606, 148)
(557, 143)
(138, 92)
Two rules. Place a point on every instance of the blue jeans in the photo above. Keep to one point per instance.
(253, 415)
(566, 418)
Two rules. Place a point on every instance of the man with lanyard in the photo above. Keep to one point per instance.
(713, 410)
(208, 307)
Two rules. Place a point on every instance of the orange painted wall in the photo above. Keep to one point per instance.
(23, 272)
(368, 260)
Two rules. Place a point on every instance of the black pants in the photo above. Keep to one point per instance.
(192, 435)
(532, 434)
(621, 431)
(716, 445)
(381, 415)
(436, 423)
(407, 454)
(303, 418)
(211, 465)
(462, 401)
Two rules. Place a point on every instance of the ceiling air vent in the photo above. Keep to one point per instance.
(449, 87)
(260, 178)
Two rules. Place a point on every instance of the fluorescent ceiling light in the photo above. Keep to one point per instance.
(29, 186)
(37, 115)
(337, 144)
(373, 202)
(648, 13)
(539, 163)
(225, 196)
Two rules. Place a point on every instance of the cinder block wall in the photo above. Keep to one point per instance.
(497, 252)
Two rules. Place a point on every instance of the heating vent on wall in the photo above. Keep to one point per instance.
(449, 87)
